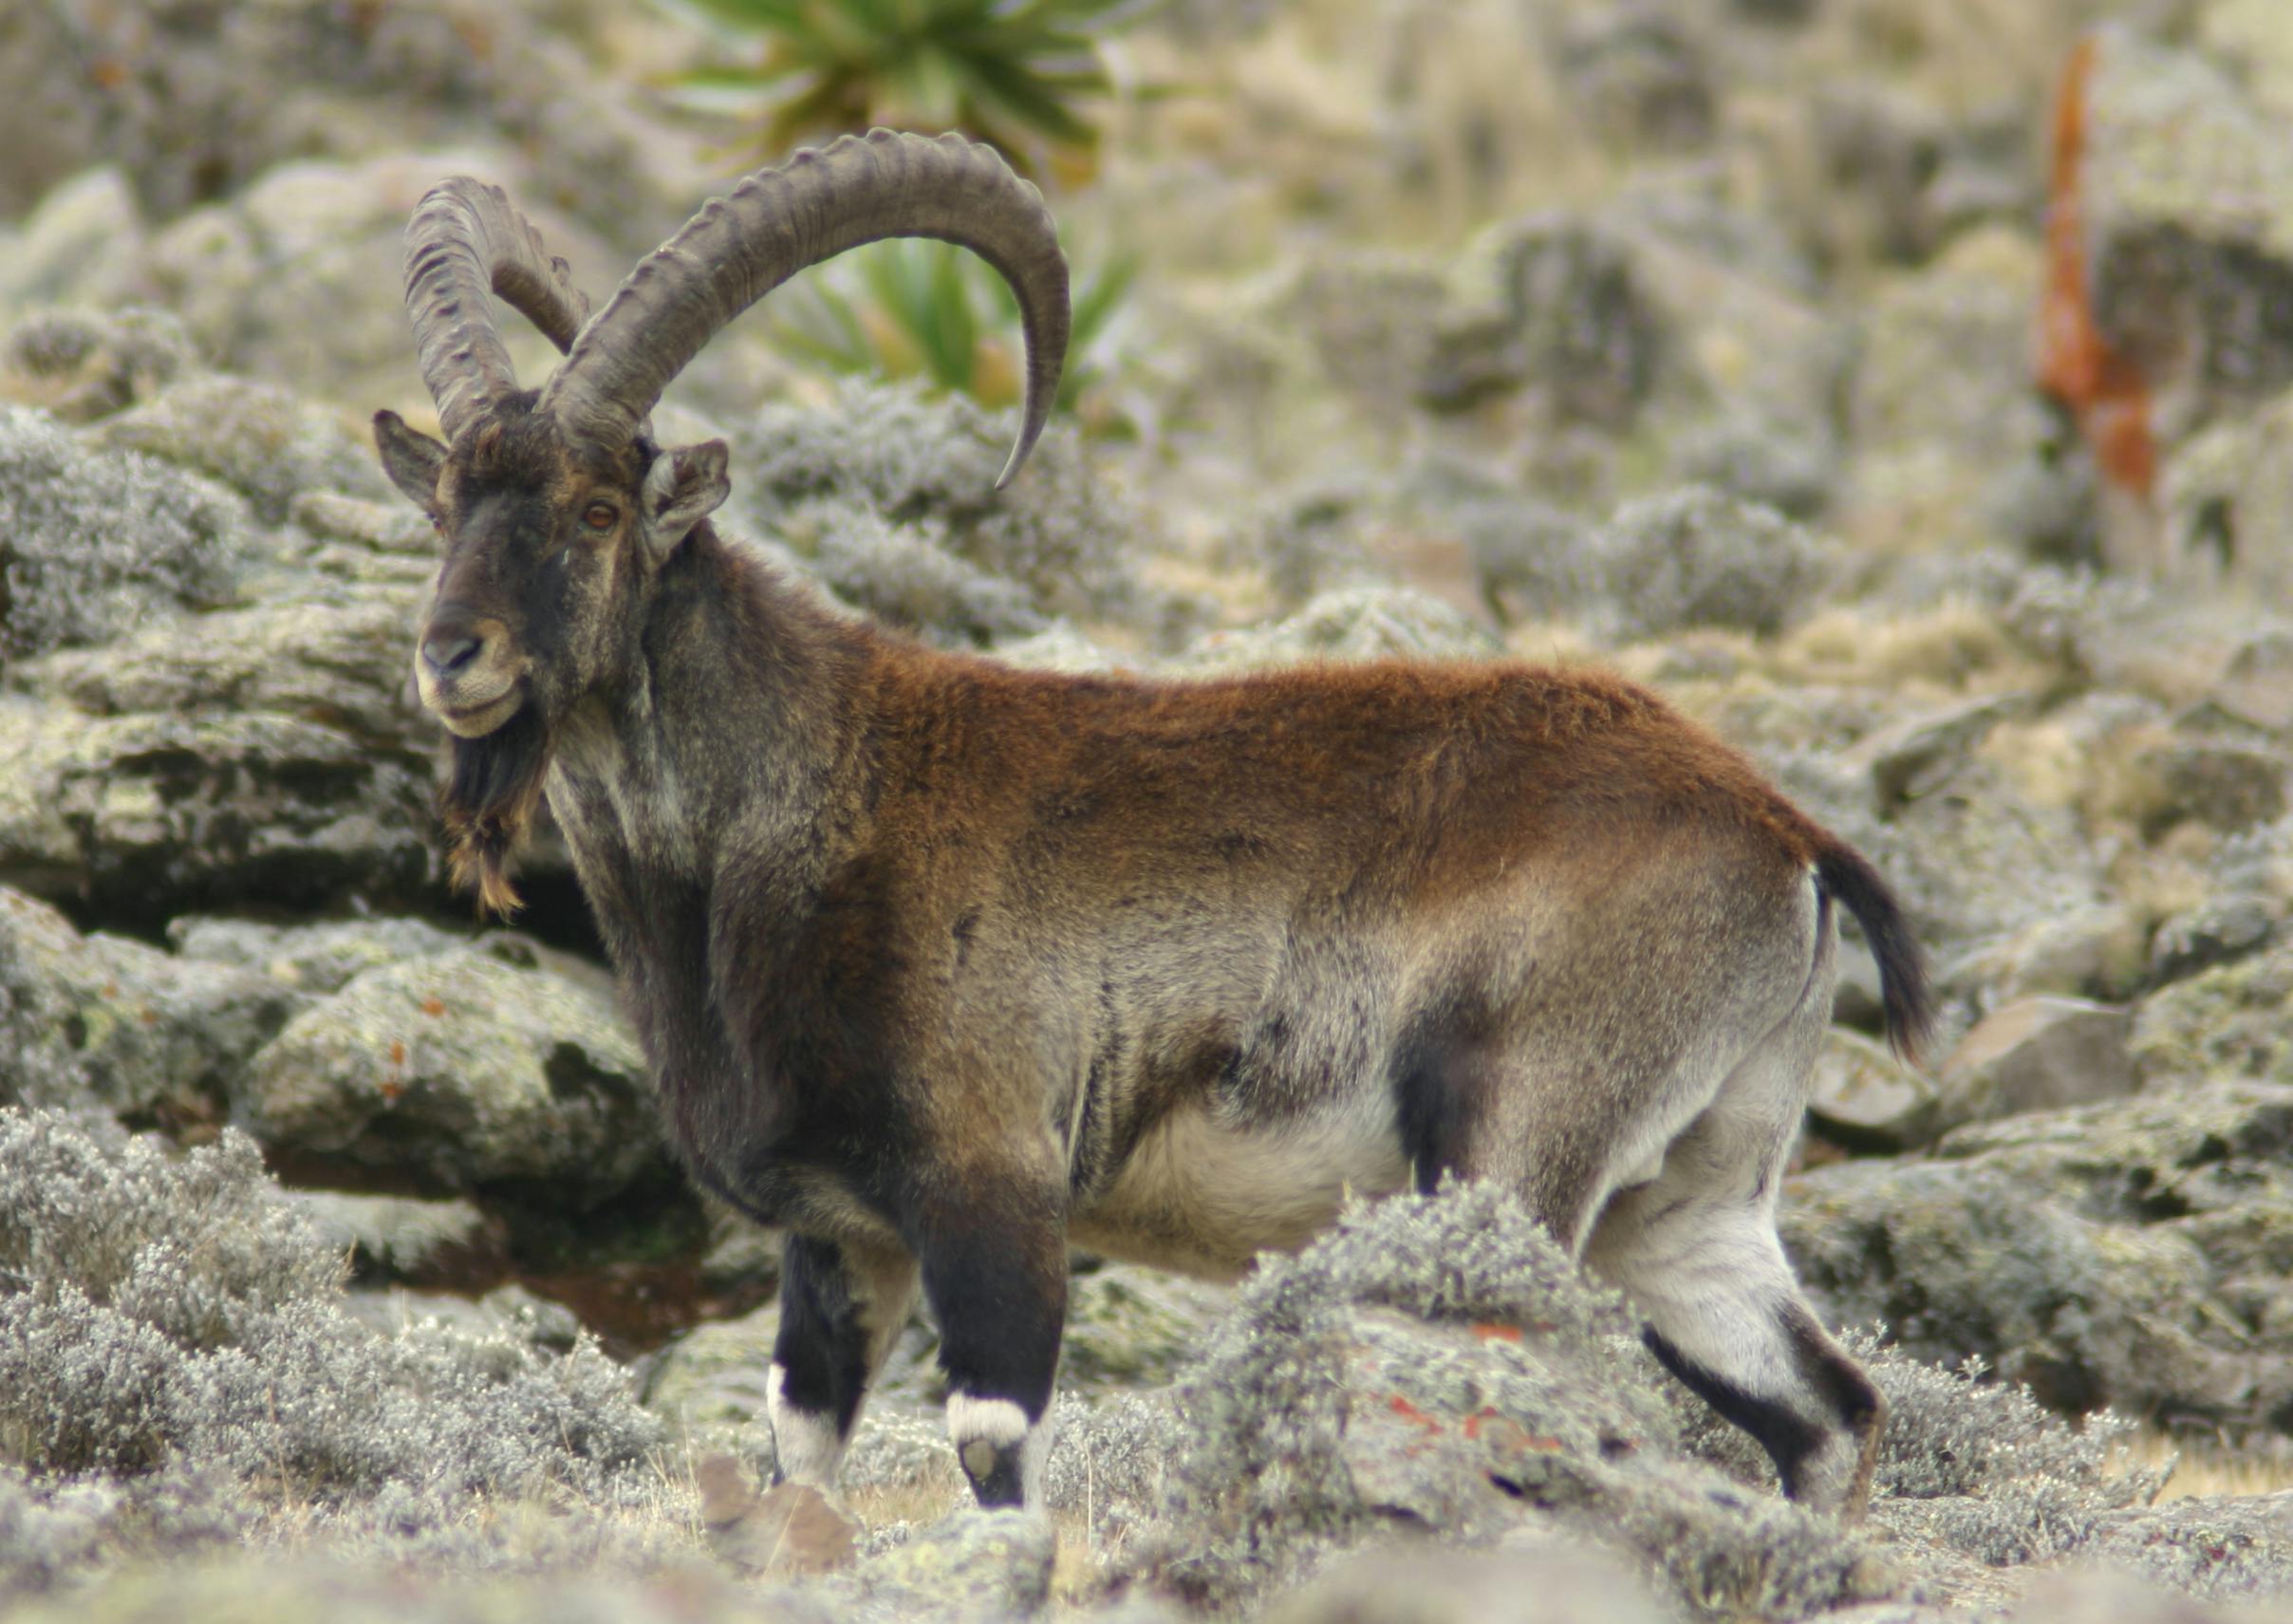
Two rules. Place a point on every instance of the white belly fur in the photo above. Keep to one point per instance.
(1205, 1198)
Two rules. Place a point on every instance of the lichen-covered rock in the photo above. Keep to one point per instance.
(2225, 1024)
(1129, 1326)
(546, 1568)
(339, 657)
(1641, 76)
(106, 1022)
(877, 455)
(1863, 1098)
(1437, 1362)
(2038, 1054)
(716, 1373)
(308, 248)
(1698, 558)
(1372, 321)
(507, 1313)
(1652, 311)
(262, 440)
(2100, 950)
(1522, 1581)
(81, 244)
(1933, 457)
(463, 1072)
(315, 958)
(974, 1566)
(141, 814)
(81, 365)
(2225, 502)
(265, 754)
(1974, 861)
(195, 101)
(2126, 1253)
(92, 542)
(2187, 194)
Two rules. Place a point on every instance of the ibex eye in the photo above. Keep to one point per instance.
(599, 515)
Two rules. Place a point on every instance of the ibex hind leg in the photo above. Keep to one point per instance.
(840, 1310)
(1695, 1249)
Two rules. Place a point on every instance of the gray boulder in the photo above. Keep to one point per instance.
(313, 958)
(314, 248)
(1640, 77)
(192, 102)
(94, 542)
(1695, 557)
(882, 476)
(81, 364)
(140, 815)
(507, 1314)
(1658, 307)
(1985, 460)
(974, 1567)
(1539, 1580)
(2224, 500)
(105, 1022)
(2038, 1054)
(2186, 190)
(336, 656)
(715, 1375)
(265, 754)
(2123, 1254)
(1975, 861)
(1865, 1099)
(82, 242)
(261, 440)
(2248, 897)
(2223, 1024)
(462, 1071)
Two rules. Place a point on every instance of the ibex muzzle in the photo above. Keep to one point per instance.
(941, 966)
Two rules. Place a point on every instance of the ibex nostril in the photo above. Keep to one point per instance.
(447, 654)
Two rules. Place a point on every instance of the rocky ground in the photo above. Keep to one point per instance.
(1906, 389)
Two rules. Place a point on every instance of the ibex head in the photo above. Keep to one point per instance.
(556, 509)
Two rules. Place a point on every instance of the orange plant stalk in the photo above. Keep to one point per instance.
(2077, 365)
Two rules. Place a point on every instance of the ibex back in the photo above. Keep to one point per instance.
(943, 966)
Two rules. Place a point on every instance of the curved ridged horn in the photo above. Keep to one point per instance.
(464, 240)
(784, 220)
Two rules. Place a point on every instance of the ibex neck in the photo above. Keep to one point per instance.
(735, 728)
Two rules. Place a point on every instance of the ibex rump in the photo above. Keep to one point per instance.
(944, 965)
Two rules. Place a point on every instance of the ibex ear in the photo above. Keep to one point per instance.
(684, 486)
(411, 460)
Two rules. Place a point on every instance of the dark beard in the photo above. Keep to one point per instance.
(492, 791)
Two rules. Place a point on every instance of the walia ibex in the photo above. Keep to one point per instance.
(943, 966)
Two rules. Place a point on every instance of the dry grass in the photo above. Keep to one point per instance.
(2206, 1466)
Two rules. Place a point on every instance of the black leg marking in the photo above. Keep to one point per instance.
(998, 1287)
(1839, 1378)
(822, 1348)
(1789, 1438)
(1440, 1073)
